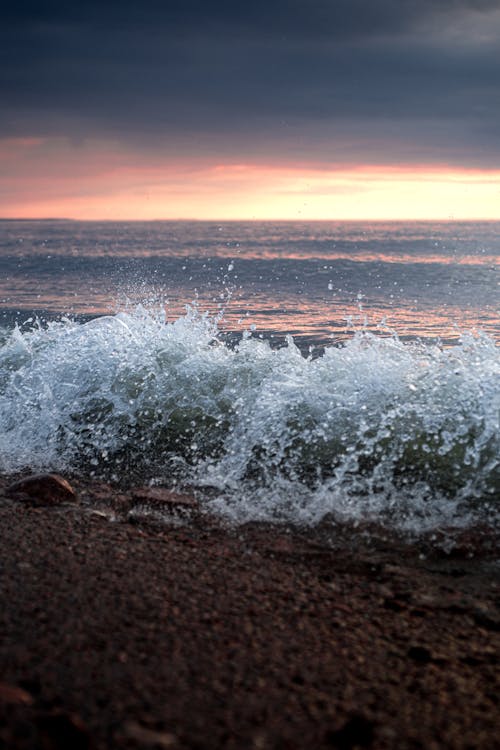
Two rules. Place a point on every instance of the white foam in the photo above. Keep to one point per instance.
(376, 429)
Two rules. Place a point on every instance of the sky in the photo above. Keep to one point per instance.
(270, 109)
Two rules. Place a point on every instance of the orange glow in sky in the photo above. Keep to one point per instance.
(54, 178)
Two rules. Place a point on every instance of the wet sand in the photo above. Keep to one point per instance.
(141, 634)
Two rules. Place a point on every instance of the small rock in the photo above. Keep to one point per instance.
(13, 695)
(358, 731)
(420, 654)
(43, 489)
(63, 731)
(163, 497)
(147, 737)
(486, 619)
(394, 604)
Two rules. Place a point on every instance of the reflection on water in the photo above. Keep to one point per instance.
(318, 281)
(326, 323)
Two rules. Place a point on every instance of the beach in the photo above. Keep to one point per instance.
(127, 630)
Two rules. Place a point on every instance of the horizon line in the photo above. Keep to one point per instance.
(254, 219)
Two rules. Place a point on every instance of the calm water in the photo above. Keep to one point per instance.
(298, 372)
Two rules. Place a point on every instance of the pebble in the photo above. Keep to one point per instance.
(42, 489)
(14, 695)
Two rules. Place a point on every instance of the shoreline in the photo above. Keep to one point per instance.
(190, 634)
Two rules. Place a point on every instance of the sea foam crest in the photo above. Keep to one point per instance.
(406, 434)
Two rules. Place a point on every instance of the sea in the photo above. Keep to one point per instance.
(297, 373)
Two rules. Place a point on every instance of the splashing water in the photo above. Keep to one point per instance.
(405, 434)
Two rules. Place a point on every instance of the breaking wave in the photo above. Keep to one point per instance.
(377, 429)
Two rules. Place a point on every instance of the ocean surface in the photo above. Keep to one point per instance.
(292, 372)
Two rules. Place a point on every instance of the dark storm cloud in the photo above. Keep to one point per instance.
(298, 17)
(315, 80)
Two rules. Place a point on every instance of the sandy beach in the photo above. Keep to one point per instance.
(136, 633)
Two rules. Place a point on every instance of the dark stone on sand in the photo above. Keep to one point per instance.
(42, 489)
(356, 732)
(145, 737)
(12, 695)
(486, 620)
(161, 497)
(420, 654)
(62, 731)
